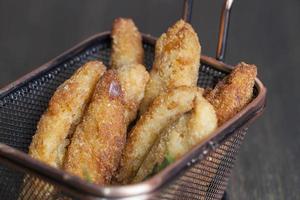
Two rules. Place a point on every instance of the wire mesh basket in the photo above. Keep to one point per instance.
(201, 174)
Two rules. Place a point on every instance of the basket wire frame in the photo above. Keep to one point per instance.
(21, 109)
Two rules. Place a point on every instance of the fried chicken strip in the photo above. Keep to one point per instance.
(228, 98)
(127, 47)
(233, 93)
(127, 58)
(64, 112)
(165, 109)
(133, 79)
(176, 63)
(179, 138)
(158, 153)
(98, 141)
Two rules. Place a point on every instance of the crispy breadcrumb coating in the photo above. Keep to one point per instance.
(64, 112)
(176, 63)
(180, 137)
(98, 141)
(165, 109)
(127, 59)
(234, 92)
(127, 47)
(133, 79)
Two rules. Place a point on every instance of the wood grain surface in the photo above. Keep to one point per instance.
(265, 33)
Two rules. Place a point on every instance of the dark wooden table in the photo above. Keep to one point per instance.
(262, 32)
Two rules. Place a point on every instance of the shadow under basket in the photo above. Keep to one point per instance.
(203, 173)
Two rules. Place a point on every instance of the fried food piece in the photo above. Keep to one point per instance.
(98, 141)
(176, 140)
(158, 153)
(176, 63)
(203, 121)
(64, 112)
(133, 79)
(127, 47)
(127, 58)
(165, 109)
(234, 92)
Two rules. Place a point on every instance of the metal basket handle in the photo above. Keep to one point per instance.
(223, 27)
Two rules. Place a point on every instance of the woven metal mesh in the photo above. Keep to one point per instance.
(21, 109)
(36, 188)
(207, 178)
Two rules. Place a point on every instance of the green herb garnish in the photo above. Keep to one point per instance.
(160, 166)
(86, 175)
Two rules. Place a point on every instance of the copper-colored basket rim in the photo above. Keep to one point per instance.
(74, 184)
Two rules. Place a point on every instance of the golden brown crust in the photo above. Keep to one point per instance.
(159, 150)
(234, 92)
(133, 79)
(202, 123)
(127, 57)
(127, 47)
(165, 109)
(176, 63)
(99, 139)
(64, 112)
(179, 138)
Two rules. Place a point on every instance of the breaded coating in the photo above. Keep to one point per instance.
(165, 109)
(176, 140)
(98, 141)
(127, 47)
(65, 111)
(158, 151)
(133, 79)
(203, 121)
(176, 62)
(234, 92)
(127, 58)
